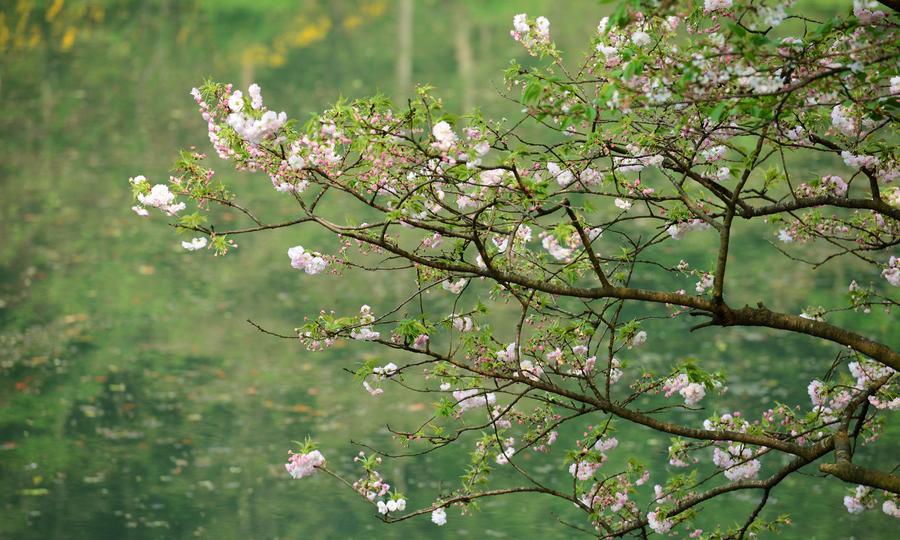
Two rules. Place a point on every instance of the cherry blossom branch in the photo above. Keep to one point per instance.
(723, 315)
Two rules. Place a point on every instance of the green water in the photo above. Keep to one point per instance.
(137, 403)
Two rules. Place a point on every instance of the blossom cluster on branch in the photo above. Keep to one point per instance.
(705, 120)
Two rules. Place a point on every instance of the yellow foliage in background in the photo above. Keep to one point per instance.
(54, 10)
(306, 29)
(68, 39)
(4, 32)
(22, 29)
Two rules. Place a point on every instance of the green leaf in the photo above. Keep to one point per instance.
(735, 28)
(759, 40)
(620, 17)
(825, 28)
(444, 407)
(719, 112)
(532, 91)
(634, 68)
(365, 370)
(192, 220)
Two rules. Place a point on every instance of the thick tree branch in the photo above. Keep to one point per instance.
(823, 200)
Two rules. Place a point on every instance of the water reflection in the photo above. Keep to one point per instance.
(136, 403)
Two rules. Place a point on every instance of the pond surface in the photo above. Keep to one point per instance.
(135, 401)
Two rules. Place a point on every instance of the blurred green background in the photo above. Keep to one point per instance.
(137, 403)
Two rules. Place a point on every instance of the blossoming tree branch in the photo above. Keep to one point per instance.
(525, 244)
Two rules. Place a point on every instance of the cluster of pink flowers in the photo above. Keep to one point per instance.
(302, 465)
(678, 455)
(891, 508)
(433, 241)
(817, 392)
(716, 5)
(392, 505)
(639, 159)
(454, 287)
(865, 372)
(421, 342)
(248, 126)
(611, 495)
(584, 469)
(529, 34)
(530, 370)
(843, 120)
(622, 204)
(678, 230)
(463, 324)
(444, 137)
(159, 196)
(892, 404)
(729, 421)
(553, 247)
(373, 487)
(705, 283)
(439, 517)
(213, 128)
(508, 354)
(892, 272)
(867, 11)
(860, 500)
(738, 462)
(563, 177)
(379, 374)
(364, 331)
(555, 357)
(860, 161)
(473, 398)
(659, 526)
(827, 185)
(584, 366)
(309, 261)
(863, 498)
(508, 452)
(194, 244)
(692, 392)
(639, 338)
